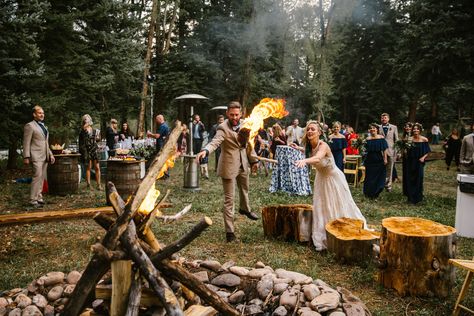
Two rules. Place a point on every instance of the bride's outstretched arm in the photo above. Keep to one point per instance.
(322, 151)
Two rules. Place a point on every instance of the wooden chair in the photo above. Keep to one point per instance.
(469, 266)
(351, 167)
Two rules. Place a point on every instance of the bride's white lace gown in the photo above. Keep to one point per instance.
(332, 199)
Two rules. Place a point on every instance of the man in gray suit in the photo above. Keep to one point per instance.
(467, 153)
(233, 167)
(390, 132)
(37, 153)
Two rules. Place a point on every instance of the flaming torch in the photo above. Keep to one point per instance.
(268, 107)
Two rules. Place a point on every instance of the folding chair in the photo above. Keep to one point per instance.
(469, 266)
(351, 167)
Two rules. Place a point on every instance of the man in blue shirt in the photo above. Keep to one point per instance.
(162, 132)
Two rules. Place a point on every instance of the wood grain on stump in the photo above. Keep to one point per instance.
(290, 222)
(349, 241)
(414, 255)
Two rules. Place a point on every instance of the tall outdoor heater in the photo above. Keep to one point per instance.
(190, 166)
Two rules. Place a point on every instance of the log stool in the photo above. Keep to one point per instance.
(414, 255)
(349, 241)
(291, 222)
(469, 266)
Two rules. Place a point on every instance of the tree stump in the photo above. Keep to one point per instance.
(349, 241)
(290, 222)
(414, 255)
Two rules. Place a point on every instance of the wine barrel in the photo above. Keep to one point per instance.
(63, 175)
(125, 175)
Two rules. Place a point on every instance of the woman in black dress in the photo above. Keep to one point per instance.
(453, 148)
(416, 155)
(407, 139)
(88, 138)
(338, 145)
(374, 162)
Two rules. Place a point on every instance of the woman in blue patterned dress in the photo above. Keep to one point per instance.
(375, 161)
(338, 145)
(416, 156)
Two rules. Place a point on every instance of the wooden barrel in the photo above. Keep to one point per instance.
(63, 175)
(125, 175)
(414, 256)
(290, 222)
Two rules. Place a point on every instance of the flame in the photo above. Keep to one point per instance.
(149, 202)
(268, 107)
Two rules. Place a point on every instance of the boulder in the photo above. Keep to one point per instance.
(297, 278)
(227, 280)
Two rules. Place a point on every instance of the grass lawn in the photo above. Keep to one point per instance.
(28, 251)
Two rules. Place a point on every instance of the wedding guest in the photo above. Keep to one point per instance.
(416, 156)
(466, 158)
(332, 198)
(407, 140)
(112, 137)
(125, 132)
(390, 133)
(338, 145)
(351, 138)
(294, 132)
(452, 146)
(212, 133)
(279, 138)
(375, 161)
(161, 135)
(436, 134)
(88, 148)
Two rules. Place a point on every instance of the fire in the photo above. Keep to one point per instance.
(149, 202)
(268, 107)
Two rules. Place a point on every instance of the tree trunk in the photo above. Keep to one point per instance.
(146, 71)
(349, 241)
(292, 222)
(12, 155)
(412, 111)
(414, 255)
(434, 111)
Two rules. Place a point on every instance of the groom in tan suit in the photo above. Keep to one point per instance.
(233, 167)
(36, 152)
(390, 132)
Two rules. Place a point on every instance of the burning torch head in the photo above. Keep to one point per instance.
(243, 136)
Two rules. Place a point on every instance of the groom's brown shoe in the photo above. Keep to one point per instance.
(249, 214)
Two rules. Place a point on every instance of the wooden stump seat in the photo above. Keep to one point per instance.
(289, 221)
(414, 256)
(349, 241)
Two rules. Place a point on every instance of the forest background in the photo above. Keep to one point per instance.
(330, 59)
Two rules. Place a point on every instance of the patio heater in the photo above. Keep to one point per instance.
(190, 166)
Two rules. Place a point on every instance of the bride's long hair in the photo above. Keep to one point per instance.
(304, 139)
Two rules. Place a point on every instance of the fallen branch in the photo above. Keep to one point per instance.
(135, 295)
(177, 216)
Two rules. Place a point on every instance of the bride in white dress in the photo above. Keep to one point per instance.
(332, 198)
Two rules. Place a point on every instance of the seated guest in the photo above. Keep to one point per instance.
(374, 162)
(351, 138)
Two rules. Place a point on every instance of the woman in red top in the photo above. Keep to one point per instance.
(350, 137)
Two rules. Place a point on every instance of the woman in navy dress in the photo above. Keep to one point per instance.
(416, 156)
(406, 138)
(375, 161)
(338, 145)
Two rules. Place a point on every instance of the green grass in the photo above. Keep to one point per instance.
(28, 251)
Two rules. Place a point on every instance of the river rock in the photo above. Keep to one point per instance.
(22, 301)
(212, 287)
(311, 291)
(212, 265)
(237, 297)
(264, 287)
(240, 271)
(289, 299)
(73, 277)
(223, 294)
(296, 277)
(279, 288)
(68, 289)
(40, 301)
(31, 310)
(259, 264)
(55, 293)
(15, 312)
(336, 313)
(3, 311)
(32, 287)
(258, 273)
(253, 310)
(324, 287)
(281, 280)
(3, 302)
(256, 301)
(280, 311)
(202, 276)
(227, 265)
(226, 279)
(51, 278)
(325, 302)
(352, 305)
(48, 310)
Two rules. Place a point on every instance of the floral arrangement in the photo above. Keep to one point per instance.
(360, 144)
(143, 151)
(403, 145)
